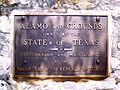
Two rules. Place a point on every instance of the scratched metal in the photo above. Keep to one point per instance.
(58, 51)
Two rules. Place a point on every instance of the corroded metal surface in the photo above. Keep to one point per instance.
(61, 45)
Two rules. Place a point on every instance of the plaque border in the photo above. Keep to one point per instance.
(81, 13)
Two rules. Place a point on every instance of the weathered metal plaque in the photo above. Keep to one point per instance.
(61, 46)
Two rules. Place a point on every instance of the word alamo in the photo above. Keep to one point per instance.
(75, 26)
(45, 42)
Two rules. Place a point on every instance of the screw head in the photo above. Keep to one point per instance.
(25, 62)
(97, 19)
(22, 19)
(98, 62)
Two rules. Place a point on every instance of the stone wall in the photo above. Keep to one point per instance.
(6, 81)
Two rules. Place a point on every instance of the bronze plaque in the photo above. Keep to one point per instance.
(61, 46)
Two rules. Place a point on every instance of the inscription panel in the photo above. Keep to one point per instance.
(61, 45)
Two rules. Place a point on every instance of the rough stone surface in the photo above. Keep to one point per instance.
(110, 83)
